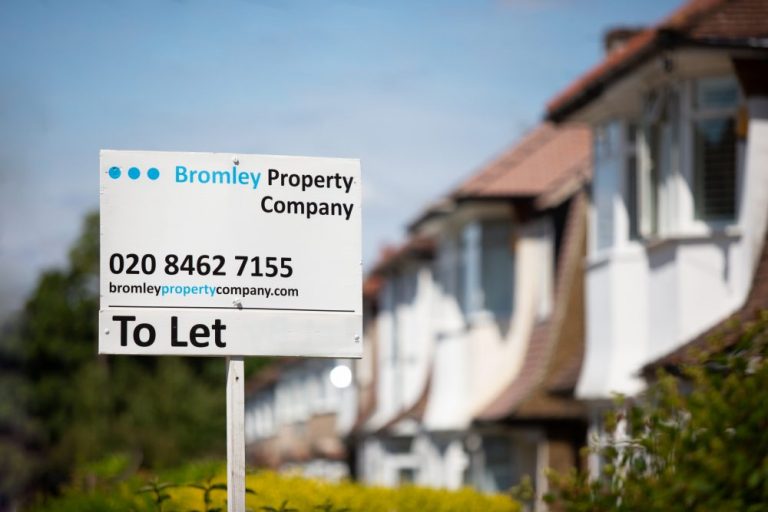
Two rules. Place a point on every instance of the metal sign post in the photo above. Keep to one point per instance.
(211, 254)
(235, 435)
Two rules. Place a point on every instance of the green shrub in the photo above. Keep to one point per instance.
(695, 442)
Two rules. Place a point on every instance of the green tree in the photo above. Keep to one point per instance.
(697, 441)
(63, 407)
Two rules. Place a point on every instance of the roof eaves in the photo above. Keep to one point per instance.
(500, 197)
(415, 248)
(636, 50)
(438, 209)
(564, 105)
(747, 43)
(669, 34)
(566, 187)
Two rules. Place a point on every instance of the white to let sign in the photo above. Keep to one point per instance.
(216, 254)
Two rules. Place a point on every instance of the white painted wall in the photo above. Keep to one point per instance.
(448, 405)
(302, 391)
(497, 349)
(478, 355)
(617, 300)
(404, 337)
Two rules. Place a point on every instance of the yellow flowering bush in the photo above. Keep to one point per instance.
(303, 494)
(272, 492)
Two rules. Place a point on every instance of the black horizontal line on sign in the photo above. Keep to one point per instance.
(235, 308)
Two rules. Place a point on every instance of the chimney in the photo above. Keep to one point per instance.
(615, 38)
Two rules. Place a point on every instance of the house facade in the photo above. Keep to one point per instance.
(473, 341)
(607, 240)
(475, 350)
(296, 419)
(679, 199)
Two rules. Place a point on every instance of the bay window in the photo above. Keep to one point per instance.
(700, 117)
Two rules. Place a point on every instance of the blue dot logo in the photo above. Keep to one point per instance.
(153, 173)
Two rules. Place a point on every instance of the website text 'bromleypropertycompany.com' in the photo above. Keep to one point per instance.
(206, 290)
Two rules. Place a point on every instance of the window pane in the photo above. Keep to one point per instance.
(631, 177)
(631, 198)
(406, 476)
(717, 93)
(497, 267)
(450, 271)
(398, 445)
(472, 299)
(500, 464)
(631, 137)
(715, 160)
(608, 163)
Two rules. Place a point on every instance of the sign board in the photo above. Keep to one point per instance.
(216, 254)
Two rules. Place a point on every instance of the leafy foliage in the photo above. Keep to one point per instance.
(158, 491)
(207, 488)
(696, 442)
(64, 407)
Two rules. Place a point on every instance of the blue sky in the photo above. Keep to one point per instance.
(422, 92)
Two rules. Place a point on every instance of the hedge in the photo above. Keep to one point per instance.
(268, 492)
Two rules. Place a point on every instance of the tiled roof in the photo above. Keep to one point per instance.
(547, 165)
(727, 332)
(371, 286)
(725, 23)
(540, 163)
(556, 345)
